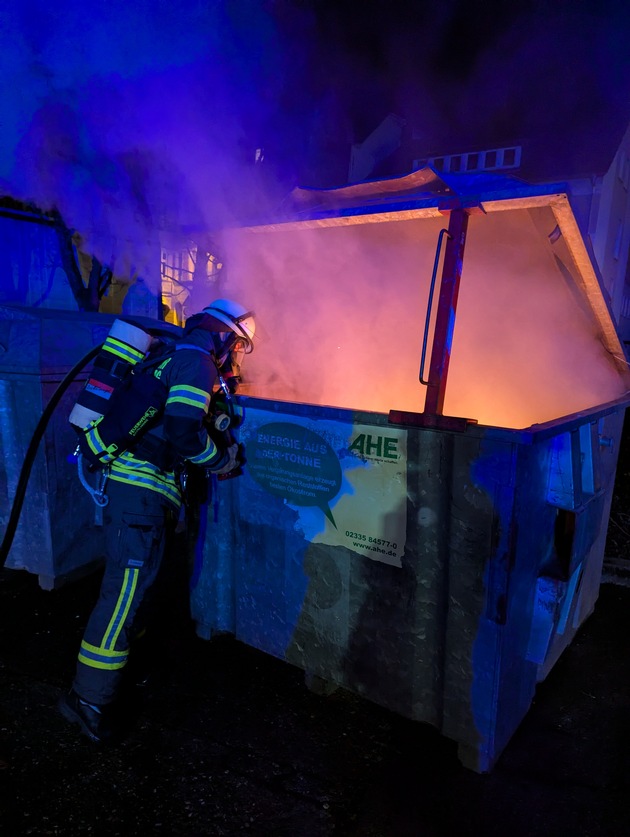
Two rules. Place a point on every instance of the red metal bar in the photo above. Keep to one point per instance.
(454, 423)
(447, 306)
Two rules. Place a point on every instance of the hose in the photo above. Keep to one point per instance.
(31, 452)
(97, 494)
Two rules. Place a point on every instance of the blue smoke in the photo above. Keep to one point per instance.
(132, 117)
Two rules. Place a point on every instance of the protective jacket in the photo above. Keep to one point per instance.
(188, 374)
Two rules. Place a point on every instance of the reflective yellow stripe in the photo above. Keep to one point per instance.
(123, 350)
(193, 396)
(104, 652)
(193, 390)
(98, 447)
(102, 658)
(105, 655)
(139, 480)
(95, 442)
(207, 454)
(125, 598)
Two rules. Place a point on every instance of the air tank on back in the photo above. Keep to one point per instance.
(125, 345)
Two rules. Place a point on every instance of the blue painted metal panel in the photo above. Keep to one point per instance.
(59, 534)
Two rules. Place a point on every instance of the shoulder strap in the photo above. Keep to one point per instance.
(153, 360)
(179, 346)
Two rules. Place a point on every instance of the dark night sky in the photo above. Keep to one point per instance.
(508, 67)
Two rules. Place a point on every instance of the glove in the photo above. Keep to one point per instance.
(232, 462)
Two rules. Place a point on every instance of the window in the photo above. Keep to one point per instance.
(179, 268)
(493, 159)
(472, 163)
(509, 156)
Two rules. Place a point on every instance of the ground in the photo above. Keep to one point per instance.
(231, 742)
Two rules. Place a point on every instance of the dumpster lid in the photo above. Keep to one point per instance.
(424, 192)
(535, 337)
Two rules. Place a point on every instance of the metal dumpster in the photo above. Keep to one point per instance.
(59, 533)
(431, 548)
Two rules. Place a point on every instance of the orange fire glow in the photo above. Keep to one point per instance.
(342, 310)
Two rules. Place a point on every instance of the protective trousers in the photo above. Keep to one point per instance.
(138, 524)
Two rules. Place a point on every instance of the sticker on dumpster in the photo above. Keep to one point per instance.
(347, 482)
(292, 462)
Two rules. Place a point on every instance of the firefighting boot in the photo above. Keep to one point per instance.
(95, 721)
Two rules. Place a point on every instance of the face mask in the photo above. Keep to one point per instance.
(229, 346)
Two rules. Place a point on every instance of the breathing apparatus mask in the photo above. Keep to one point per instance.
(232, 329)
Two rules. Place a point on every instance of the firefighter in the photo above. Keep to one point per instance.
(144, 501)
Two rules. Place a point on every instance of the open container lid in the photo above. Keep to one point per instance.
(340, 287)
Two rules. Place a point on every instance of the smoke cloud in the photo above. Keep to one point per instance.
(129, 118)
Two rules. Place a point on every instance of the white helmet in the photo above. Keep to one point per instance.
(237, 318)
